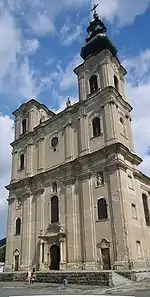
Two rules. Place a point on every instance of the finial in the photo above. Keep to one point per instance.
(94, 9)
(68, 103)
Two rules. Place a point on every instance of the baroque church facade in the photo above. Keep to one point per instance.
(77, 200)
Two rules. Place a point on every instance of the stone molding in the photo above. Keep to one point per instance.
(67, 173)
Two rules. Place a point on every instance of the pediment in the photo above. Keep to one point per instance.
(16, 252)
(104, 243)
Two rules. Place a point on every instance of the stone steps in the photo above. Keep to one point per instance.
(121, 281)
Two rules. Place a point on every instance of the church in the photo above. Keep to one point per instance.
(77, 199)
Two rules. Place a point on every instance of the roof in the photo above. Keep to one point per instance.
(2, 242)
(32, 102)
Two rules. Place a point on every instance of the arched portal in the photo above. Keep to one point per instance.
(55, 257)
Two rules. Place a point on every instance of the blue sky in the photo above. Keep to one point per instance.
(40, 43)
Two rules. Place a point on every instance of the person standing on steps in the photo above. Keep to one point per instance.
(28, 275)
(33, 275)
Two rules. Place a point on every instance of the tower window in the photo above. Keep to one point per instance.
(22, 162)
(24, 126)
(93, 84)
(99, 179)
(54, 210)
(102, 209)
(18, 226)
(116, 83)
(146, 209)
(96, 126)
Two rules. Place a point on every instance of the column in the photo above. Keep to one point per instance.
(10, 235)
(105, 80)
(89, 225)
(73, 232)
(41, 254)
(14, 166)
(17, 128)
(26, 232)
(82, 88)
(29, 159)
(62, 253)
(41, 154)
(110, 121)
(83, 135)
(129, 133)
(39, 218)
(31, 123)
(68, 142)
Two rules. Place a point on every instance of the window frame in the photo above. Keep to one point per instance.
(95, 126)
(55, 209)
(21, 168)
(146, 210)
(93, 76)
(99, 214)
(18, 221)
(24, 127)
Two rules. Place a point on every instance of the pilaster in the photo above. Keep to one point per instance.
(29, 167)
(26, 232)
(82, 87)
(68, 141)
(73, 237)
(89, 225)
(10, 237)
(14, 166)
(41, 154)
(83, 135)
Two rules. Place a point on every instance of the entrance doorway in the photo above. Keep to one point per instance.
(55, 257)
(17, 263)
(106, 259)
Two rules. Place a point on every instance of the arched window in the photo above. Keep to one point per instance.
(54, 210)
(21, 161)
(96, 126)
(116, 83)
(18, 226)
(102, 209)
(146, 209)
(93, 84)
(54, 187)
(24, 126)
(99, 179)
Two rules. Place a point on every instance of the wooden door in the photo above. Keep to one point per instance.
(106, 259)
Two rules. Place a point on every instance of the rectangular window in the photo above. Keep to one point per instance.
(134, 212)
(138, 250)
(130, 182)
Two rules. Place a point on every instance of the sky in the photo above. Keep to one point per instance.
(40, 43)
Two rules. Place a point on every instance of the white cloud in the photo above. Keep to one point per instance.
(124, 11)
(6, 136)
(70, 33)
(138, 90)
(67, 77)
(41, 24)
(30, 46)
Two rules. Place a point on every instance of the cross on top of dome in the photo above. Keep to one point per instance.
(94, 10)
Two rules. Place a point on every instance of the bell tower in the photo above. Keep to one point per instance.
(102, 75)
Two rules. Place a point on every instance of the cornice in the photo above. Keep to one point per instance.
(142, 177)
(83, 167)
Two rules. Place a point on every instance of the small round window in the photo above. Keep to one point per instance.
(54, 141)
